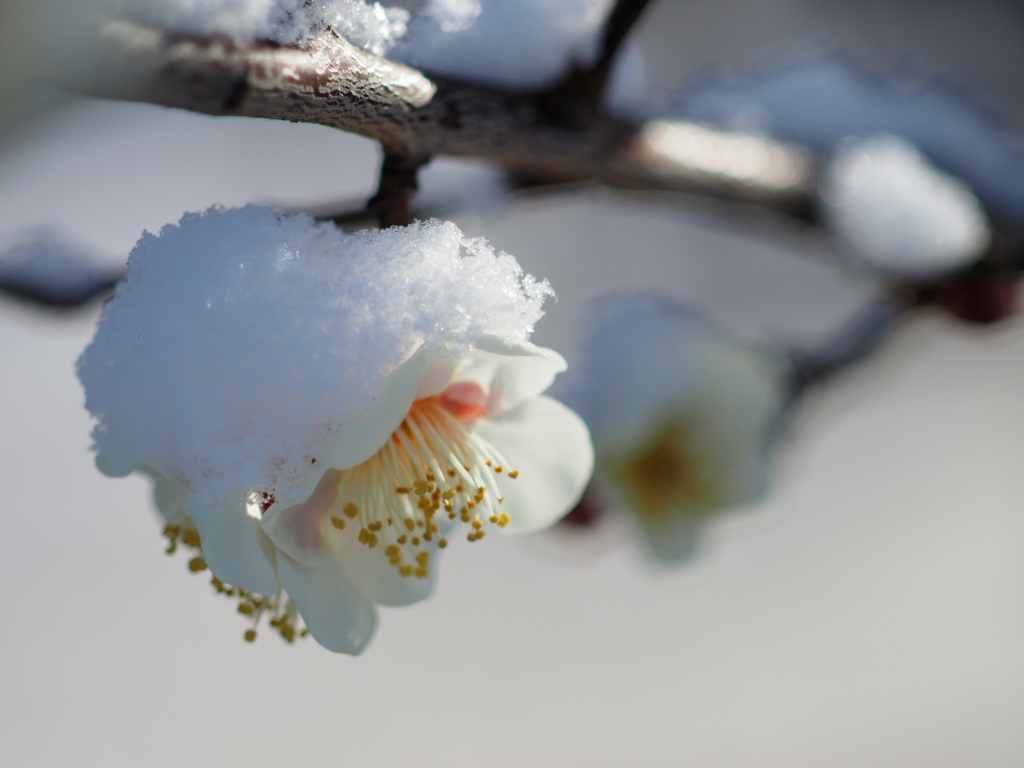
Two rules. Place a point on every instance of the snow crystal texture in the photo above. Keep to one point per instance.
(368, 25)
(242, 340)
(519, 43)
(899, 213)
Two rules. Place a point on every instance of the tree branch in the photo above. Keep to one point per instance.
(333, 83)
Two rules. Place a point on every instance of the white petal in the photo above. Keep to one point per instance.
(168, 496)
(299, 530)
(549, 445)
(511, 371)
(376, 578)
(304, 533)
(337, 615)
(437, 373)
(676, 539)
(235, 547)
(361, 439)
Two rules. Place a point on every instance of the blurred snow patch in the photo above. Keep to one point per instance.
(899, 213)
(47, 268)
(518, 43)
(368, 25)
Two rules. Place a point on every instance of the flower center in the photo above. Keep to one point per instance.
(666, 475)
(433, 474)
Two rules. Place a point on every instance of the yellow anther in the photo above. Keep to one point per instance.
(504, 520)
(488, 462)
(452, 515)
(410, 524)
(514, 474)
(442, 543)
(471, 505)
(288, 633)
(363, 533)
(197, 564)
(464, 514)
(477, 523)
(428, 536)
(172, 531)
(191, 539)
(402, 539)
(460, 488)
(337, 522)
(172, 548)
(420, 523)
(247, 609)
(415, 541)
(393, 551)
(451, 473)
(499, 469)
(250, 635)
(405, 570)
(493, 518)
(401, 489)
(422, 572)
(423, 558)
(376, 526)
(351, 510)
(390, 522)
(372, 540)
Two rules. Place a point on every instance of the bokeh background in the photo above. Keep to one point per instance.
(869, 613)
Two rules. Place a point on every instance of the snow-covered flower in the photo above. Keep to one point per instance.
(899, 214)
(682, 417)
(322, 412)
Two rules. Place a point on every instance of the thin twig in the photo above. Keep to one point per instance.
(395, 190)
(620, 22)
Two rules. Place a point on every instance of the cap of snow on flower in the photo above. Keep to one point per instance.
(681, 415)
(321, 412)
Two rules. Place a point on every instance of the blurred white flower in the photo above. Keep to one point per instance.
(898, 213)
(682, 417)
(321, 411)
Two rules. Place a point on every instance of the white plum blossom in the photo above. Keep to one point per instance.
(898, 213)
(682, 417)
(321, 412)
